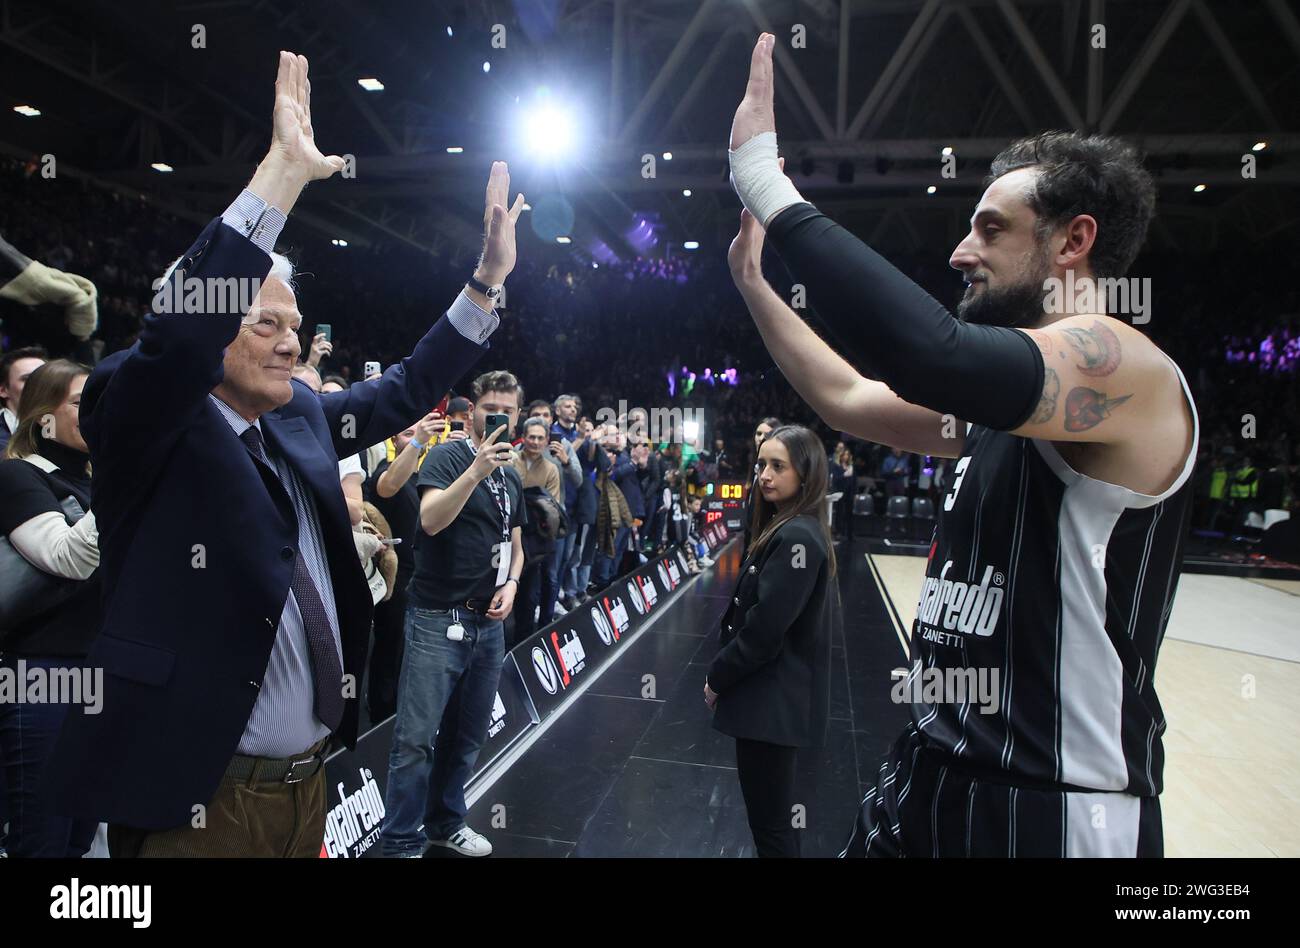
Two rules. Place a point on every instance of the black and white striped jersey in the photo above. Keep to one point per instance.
(1045, 601)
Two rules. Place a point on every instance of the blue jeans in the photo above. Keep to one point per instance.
(27, 735)
(444, 706)
(562, 563)
(605, 568)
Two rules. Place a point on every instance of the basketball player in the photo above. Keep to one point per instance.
(1054, 563)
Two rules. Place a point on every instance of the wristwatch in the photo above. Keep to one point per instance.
(493, 293)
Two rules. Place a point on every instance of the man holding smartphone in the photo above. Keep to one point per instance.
(466, 576)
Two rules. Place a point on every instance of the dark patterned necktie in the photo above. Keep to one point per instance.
(327, 673)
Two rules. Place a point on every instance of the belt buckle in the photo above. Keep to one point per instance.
(292, 775)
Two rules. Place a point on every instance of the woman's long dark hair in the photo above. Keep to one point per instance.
(46, 390)
(808, 458)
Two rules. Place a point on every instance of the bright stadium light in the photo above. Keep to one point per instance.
(487, 66)
(527, 206)
(371, 84)
(29, 111)
(947, 150)
(1199, 188)
(563, 240)
(691, 430)
(550, 131)
(931, 189)
(455, 150)
(1259, 146)
(686, 192)
(161, 166)
(338, 242)
(668, 156)
(692, 245)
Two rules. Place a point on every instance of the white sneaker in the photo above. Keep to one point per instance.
(466, 842)
(559, 609)
(706, 561)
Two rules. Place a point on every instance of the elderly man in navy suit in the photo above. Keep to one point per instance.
(237, 615)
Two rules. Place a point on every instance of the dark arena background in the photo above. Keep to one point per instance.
(126, 128)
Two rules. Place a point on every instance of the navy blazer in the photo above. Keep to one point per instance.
(197, 547)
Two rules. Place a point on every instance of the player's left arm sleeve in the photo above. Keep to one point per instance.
(898, 333)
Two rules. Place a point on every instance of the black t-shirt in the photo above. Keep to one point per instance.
(402, 511)
(456, 564)
(67, 630)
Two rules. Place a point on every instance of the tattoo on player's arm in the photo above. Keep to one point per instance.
(1047, 401)
(1086, 408)
(1098, 346)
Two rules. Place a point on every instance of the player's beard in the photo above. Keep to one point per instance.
(1018, 306)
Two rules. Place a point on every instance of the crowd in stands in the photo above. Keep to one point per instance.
(616, 330)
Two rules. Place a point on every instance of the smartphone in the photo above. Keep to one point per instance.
(327, 329)
(371, 369)
(458, 425)
(494, 422)
(555, 437)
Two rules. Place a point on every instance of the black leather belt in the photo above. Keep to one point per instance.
(481, 606)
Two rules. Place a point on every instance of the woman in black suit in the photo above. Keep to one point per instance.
(769, 685)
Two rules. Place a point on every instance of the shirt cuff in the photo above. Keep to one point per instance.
(252, 217)
(471, 320)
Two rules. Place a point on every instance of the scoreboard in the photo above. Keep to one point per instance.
(726, 502)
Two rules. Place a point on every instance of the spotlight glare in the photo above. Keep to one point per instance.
(1259, 146)
(487, 66)
(161, 166)
(931, 189)
(564, 240)
(668, 156)
(947, 150)
(527, 206)
(455, 150)
(370, 84)
(550, 131)
(1199, 188)
(692, 245)
(338, 242)
(449, 33)
(686, 192)
(30, 111)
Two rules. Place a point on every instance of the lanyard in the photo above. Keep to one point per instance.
(500, 492)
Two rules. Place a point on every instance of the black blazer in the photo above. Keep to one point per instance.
(773, 668)
(197, 547)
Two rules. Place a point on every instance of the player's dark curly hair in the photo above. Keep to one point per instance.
(1092, 174)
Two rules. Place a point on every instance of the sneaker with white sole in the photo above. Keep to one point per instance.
(560, 609)
(466, 842)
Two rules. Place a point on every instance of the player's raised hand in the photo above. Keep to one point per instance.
(499, 227)
(756, 113)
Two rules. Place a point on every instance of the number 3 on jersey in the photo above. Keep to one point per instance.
(960, 471)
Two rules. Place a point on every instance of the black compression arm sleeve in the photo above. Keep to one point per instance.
(894, 331)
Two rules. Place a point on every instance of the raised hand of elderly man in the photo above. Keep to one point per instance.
(293, 158)
(499, 252)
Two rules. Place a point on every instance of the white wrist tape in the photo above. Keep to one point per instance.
(758, 180)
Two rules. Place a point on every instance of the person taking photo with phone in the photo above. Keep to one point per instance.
(467, 568)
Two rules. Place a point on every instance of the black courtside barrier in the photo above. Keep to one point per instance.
(537, 675)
